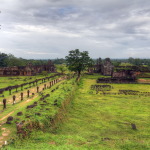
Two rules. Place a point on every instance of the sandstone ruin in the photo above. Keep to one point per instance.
(28, 70)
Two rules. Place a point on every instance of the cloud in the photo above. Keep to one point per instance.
(50, 28)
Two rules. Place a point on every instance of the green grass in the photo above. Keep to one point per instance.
(11, 81)
(98, 122)
(47, 111)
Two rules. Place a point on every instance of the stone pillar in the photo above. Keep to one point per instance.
(21, 96)
(28, 93)
(14, 99)
(10, 91)
(37, 89)
(4, 103)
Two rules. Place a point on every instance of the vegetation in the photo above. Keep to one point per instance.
(8, 60)
(95, 121)
(78, 61)
(62, 68)
(78, 118)
(46, 115)
(125, 64)
(59, 61)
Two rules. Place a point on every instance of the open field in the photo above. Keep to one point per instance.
(98, 121)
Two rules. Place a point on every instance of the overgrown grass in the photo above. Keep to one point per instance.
(44, 115)
(98, 122)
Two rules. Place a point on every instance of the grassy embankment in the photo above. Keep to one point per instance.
(47, 112)
(97, 121)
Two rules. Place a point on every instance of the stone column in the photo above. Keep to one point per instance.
(21, 96)
(4, 103)
(10, 91)
(14, 99)
(28, 93)
(37, 89)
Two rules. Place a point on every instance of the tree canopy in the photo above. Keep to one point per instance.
(78, 61)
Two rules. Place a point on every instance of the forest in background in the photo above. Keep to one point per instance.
(9, 60)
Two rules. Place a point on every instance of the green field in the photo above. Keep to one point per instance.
(97, 122)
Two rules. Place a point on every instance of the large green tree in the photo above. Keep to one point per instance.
(78, 61)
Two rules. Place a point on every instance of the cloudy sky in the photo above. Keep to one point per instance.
(50, 28)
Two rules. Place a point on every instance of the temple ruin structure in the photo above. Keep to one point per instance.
(27, 70)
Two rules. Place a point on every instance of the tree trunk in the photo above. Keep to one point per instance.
(78, 77)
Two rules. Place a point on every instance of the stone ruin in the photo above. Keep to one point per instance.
(96, 68)
(28, 70)
(105, 68)
(122, 76)
(119, 74)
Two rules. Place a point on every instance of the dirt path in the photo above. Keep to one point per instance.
(6, 116)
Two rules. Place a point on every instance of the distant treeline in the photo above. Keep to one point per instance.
(8, 60)
(130, 61)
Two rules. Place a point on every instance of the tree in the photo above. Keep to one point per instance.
(3, 58)
(62, 68)
(78, 61)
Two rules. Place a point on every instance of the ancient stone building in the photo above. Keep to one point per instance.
(28, 70)
(121, 76)
(96, 68)
(107, 67)
(124, 74)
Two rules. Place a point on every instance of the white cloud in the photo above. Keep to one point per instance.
(50, 28)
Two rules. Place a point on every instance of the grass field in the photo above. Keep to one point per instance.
(98, 122)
